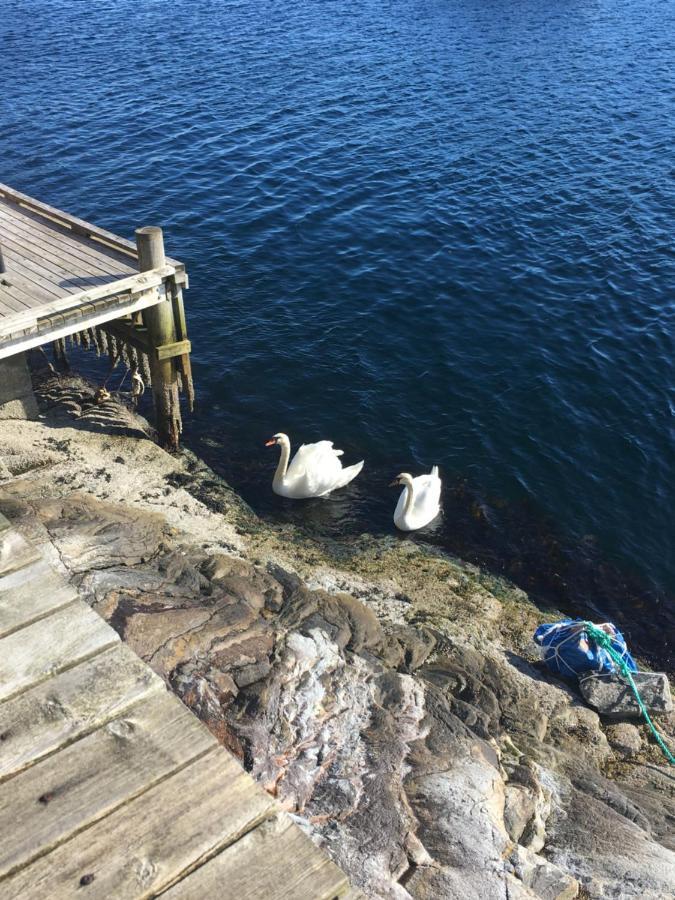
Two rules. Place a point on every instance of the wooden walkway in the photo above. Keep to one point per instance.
(109, 786)
(63, 274)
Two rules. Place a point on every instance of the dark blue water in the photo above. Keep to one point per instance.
(435, 232)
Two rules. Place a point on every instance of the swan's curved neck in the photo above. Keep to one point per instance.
(280, 473)
(408, 482)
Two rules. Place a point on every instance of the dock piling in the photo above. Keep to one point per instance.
(160, 322)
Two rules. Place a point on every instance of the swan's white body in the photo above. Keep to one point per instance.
(314, 471)
(419, 502)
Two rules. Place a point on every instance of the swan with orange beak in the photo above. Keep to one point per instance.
(314, 471)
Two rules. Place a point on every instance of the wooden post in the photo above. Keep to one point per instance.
(182, 361)
(161, 327)
(2, 263)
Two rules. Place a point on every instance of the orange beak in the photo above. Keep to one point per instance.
(270, 443)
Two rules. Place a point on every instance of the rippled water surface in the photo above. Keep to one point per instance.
(435, 232)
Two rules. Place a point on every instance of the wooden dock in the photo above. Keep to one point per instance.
(63, 277)
(109, 786)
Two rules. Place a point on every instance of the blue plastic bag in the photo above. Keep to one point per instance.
(569, 651)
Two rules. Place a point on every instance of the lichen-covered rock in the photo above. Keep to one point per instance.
(624, 738)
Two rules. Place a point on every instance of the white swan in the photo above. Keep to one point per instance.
(315, 471)
(419, 502)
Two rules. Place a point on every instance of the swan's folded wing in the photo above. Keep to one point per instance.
(428, 491)
(310, 458)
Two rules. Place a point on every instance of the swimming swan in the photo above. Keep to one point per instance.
(314, 472)
(419, 502)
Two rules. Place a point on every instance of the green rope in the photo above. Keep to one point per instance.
(602, 639)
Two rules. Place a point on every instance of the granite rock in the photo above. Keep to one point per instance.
(614, 698)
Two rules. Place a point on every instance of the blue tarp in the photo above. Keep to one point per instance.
(569, 651)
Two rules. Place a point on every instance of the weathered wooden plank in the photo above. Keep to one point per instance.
(15, 553)
(45, 273)
(13, 300)
(29, 256)
(29, 249)
(62, 225)
(6, 306)
(69, 706)
(276, 861)
(53, 644)
(65, 793)
(41, 244)
(141, 281)
(72, 223)
(31, 280)
(16, 290)
(31, 593)
(59, 246)
(77, 226)
(145, 845)
(15, 293)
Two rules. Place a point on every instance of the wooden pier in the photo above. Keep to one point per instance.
(109, 786)
(62, 277)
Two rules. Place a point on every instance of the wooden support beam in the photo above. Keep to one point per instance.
(159, 321)
(183, 360)
(169, 351)
(136, 335)
(139, 338)
(135, 285)
(34, 334)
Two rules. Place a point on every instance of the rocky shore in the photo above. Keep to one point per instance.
(388, 696)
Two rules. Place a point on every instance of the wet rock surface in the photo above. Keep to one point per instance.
(387, 696)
